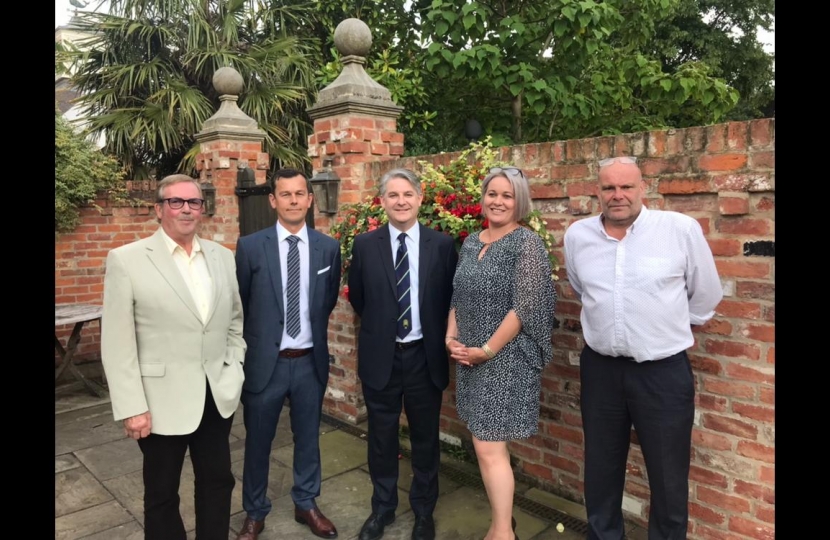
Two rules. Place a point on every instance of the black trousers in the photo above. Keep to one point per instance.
(409, 386)
(214, 482)
(657, 398)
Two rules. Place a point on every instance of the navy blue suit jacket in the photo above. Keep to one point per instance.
(260, 286)
(373, 295)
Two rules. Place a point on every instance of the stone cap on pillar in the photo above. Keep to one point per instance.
(354, 91)
(229, 122)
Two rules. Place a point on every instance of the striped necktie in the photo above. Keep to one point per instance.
(402, 277)
(292, 289)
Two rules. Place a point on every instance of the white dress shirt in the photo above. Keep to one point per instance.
(641, 294)
(413, 238)
(303, 339)
(194, 271)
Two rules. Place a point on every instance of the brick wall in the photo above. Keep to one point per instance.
(80, 257)
(722, 175)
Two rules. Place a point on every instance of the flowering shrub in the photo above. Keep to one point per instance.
(451, 204)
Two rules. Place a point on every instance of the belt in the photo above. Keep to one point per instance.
(295, 353)
(404, 345)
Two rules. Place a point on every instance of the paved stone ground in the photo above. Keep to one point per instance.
(98, 487)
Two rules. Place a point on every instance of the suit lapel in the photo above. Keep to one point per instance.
(385, 250)
(272, 258)
(315, 262)
(425, 255)
(163, 261)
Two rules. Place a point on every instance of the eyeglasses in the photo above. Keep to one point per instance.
(628, 160)
(511, 171)
(177, 202)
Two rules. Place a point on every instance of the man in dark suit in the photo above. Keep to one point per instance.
(400, 283)
(289, 277)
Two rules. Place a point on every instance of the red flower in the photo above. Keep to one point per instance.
(345, 292)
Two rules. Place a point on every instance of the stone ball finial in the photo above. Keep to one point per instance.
(227, 80)
(353, 37)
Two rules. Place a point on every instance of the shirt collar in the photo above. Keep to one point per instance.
(414, 233)
(172, 245)
(283, 233)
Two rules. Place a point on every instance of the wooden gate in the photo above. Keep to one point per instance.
(255, 212)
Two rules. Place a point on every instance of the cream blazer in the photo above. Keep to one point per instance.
(156, 351)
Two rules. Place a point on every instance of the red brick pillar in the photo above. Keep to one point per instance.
(229, 140)
(355, 125)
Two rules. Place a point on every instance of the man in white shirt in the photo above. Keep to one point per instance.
(644, 278)
(172, 349)
(289, 279)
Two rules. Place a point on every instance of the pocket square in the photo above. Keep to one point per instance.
(326, 269)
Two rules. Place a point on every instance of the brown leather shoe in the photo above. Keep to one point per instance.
(250, 529)
(316, 521)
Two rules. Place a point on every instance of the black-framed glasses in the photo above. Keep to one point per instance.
(512, 171)
(177, 202)
(628, 160)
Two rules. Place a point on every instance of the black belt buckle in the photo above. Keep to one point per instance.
(404, 345)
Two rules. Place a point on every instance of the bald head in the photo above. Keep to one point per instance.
(621, 192)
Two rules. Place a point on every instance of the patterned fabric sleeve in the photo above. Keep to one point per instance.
(534, 298)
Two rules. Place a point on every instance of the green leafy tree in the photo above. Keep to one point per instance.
(724, 35)
(146, 77)
(558, 69)
(82, 172)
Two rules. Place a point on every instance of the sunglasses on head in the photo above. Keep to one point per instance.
(621, 159)
(512, 171)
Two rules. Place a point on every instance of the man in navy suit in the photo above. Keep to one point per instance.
(289, 277)
(400, 283)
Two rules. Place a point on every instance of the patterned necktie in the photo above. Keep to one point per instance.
(292, 290)
(402, 277)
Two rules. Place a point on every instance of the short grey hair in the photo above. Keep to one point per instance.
(406, 174)
(175, 179)
(521, 192)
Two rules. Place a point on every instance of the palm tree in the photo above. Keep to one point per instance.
(145, 75)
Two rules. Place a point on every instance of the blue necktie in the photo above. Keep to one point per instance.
(402, 277)
(292, 289)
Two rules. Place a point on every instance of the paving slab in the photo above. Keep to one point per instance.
(104, 411)
(339, 452)
(91, 520)
(99, 487)
(66, 462)
(128, 531)
(73, 396)
(76, 489)
(112, 459)
(558, 503)
(128, 489)
(86, 433)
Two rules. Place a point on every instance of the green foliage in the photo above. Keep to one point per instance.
(566, 69)
(146, 77)
(723, 35)
(82, 172)
(451, 204)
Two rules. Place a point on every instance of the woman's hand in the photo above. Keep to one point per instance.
(466, 356)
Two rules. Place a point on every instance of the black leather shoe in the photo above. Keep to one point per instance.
(373, 527)
(424, 528)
